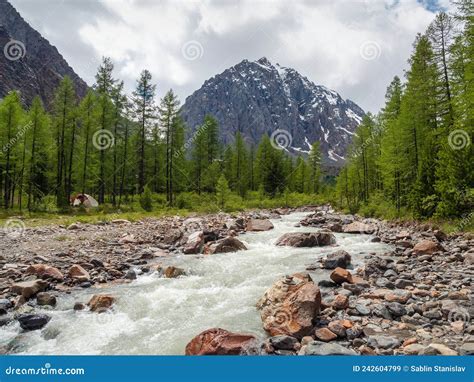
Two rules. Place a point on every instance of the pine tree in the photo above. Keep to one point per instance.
(222, 191)
(314, 162)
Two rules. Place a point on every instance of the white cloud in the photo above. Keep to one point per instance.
(321, 39)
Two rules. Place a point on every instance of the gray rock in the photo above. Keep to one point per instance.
(337, 259)
(383, 342)
(283, 342)
(467, 348)
(44, 298)
(33, 321)
(396, 309)
(323, 348)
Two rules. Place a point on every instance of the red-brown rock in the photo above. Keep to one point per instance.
(101, 302)
(340, 275)
(426, 247)
(324, 334)
(76, 272)
(45, 271)
(258, 225)
(218, 341)
(306, 239)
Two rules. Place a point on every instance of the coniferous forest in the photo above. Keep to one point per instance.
(413, 159)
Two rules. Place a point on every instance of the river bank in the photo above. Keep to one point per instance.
(404, 299)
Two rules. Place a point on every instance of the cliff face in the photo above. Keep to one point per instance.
(28, 62)
(258, 98)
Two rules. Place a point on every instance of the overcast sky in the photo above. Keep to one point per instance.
(353, 47)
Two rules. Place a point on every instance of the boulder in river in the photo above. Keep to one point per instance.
(29, 288)
(44, 298)
(194, 243)
(78, 273)
(337, 259)
(258, 225)
(340, 275)
(306, 239)
(173, 272)
(426, 247)
(290, 305)
(33, 321)
(225, 245)
(45, 271)
(101, 302)
(359, 227)
(218, 341)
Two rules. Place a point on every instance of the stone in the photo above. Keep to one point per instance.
(467, 348)
(45, 271)
(340, 275)
(5, 304)
(340, 302)
(130, 275)
(362, 309)
(101, 302)
(218, 341)
(290, 305)
(306, 239)
(360, 228)
(426, 247)
(335, 227)
(327, 284)
(402, 283)
(383, 342)
(258, 225)
(33, 321)
(78, 273)
(325, 335)
(195, 243)
(173, 272)
(398, 295)
(323, 348)
(413, 349)
(79, 306)
(228, 244)
(337, 327)
(44, 298)
(396, 309)
(337, 259)
(30, 288)
(283, 342)
(73, 227)
(442, 349)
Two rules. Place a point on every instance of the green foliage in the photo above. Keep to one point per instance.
(146, 199)
(222, 191)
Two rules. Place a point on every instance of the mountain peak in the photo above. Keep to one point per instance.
(257, 98)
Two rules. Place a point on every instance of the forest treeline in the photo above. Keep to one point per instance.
(416, 156)
(113, 147)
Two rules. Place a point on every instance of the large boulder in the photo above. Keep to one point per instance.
(194, 243)
(101, 302)
(359, 227)
(78, 273)
(228, 244)
(306, 239)
(290, 306)
(337, 259)
(426, 247)
(258, 225)
(33, 321)
(29, 288)
(45, 271)
(340, 275)
(218, 341)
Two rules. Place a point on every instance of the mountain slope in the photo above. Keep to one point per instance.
(259, 98)
(39, 70)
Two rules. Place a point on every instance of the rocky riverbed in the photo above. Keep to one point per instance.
(410, 296)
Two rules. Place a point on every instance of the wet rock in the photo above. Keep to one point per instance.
(258, 225)
(306, 239)
(325, 335)
(195, 243)
(228, 244)
(5, 304)
(218, 341)
(79, 306)
(283, 342)
(101, 302)
(30, 288)
(337, 259)
(78, 273)
(340, 275)
(323, 348)
(335, 227)
(426, 247)
(360, 228)
(33, 321)
(130, 275)
(327, 284)
(173, 272)
(44, 298)
(383, 342)
(45, 271)
(290, 306)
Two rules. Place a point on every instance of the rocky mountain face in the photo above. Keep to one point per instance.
(28, 62)
(258, 98)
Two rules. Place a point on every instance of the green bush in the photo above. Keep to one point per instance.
(146, 200)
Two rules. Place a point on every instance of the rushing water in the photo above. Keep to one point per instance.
(155, 315)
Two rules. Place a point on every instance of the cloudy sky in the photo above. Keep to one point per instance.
(353, 47)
